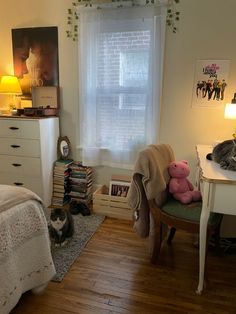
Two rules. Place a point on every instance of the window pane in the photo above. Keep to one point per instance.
(123, 59)
(133, 101)
(134, 69)
(119, 127)
(123, 67)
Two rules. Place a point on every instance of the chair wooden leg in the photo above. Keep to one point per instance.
(157, 244)
(171, 235)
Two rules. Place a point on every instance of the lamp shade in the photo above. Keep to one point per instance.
(10, 85)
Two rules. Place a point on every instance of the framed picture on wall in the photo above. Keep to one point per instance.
(210, 83)
(35, 57)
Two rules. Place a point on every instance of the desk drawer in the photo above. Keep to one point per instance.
(19, 128)
(20, 147)
(224, 198)
(20, 165)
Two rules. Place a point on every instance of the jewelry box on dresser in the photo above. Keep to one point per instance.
(28, 148)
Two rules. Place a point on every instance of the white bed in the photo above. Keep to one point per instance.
(25, 257)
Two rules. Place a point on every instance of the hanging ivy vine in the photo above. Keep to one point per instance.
(172, 18)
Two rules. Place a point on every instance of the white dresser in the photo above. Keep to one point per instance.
(28, 148)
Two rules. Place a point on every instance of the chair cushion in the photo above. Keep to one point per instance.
(190, 211)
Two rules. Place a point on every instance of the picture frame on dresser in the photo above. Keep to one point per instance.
(63, 147)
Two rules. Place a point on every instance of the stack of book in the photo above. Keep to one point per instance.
(81, 183)
(61, 173)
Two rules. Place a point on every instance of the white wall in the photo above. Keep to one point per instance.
(206, 31)
(25, 13)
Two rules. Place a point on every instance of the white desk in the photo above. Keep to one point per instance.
(218, 187)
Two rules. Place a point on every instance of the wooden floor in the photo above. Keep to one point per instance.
(113, 275)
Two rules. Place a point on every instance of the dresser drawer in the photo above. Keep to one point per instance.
(31, 183)
(20, 165)
(20, 147)
(28, 149)
(19, 128)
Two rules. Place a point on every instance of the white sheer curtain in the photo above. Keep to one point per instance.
(120, 77)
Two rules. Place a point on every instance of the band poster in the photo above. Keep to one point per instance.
(210, 83)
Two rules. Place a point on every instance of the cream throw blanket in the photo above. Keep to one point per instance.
(13, 195)
(150, 179)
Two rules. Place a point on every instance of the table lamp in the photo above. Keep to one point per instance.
(230, 112)
(9, 85)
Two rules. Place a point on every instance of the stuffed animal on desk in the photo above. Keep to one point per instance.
(179, 186)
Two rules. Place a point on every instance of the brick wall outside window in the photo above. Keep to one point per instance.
(121, 86)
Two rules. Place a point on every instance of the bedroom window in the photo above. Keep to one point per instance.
(120, 52)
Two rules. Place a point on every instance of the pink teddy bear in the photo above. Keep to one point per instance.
(179, 186)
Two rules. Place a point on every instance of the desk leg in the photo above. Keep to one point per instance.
(203, 235)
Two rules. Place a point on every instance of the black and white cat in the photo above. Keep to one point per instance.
(61, 226)
(224, 154)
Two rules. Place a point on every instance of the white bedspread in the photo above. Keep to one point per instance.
(25, 256)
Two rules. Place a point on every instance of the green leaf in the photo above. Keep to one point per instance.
(172, 14)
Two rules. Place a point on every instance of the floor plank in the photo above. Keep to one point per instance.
(113, 275)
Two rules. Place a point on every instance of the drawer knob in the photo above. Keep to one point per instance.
(15, 146)
(18, 183)
(13, 128)
(16, 165)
